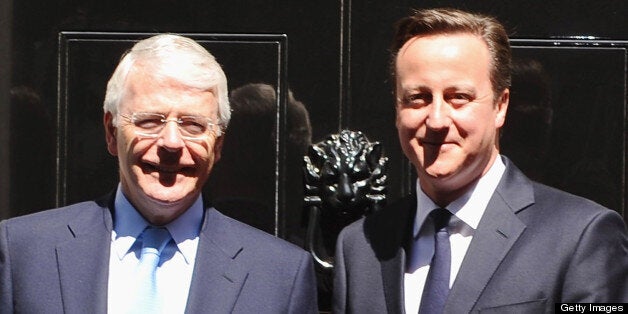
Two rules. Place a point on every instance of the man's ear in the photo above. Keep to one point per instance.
(502, 108)
(110, 134)
(218, 148)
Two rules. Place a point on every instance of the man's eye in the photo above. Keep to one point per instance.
(418, 99)
(460, 98)
(193, 126)
(149, 123)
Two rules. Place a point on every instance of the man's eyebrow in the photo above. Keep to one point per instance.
(461, 87)
(415, 87)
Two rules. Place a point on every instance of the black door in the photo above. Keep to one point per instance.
(331, 57)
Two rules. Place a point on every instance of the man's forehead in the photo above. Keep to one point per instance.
(444, 40)
(448, 49)
(168, 95)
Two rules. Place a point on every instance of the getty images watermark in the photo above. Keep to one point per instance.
(591, 308)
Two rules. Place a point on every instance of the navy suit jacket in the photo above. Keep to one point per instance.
(57, 261)
(534, 246)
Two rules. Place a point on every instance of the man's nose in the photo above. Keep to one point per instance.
(170, 137)
(439, 116)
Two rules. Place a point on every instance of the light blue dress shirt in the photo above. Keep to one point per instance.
(174, 273)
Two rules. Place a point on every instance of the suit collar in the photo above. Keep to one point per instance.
(83, 262)
(393, 272)
(389, 242)
(497, 232)
(515, 189)
(219, 278)
(83, 259)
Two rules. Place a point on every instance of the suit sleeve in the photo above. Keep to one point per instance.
(6, 288)
(598, 271)
(303, 298)
(340, 282)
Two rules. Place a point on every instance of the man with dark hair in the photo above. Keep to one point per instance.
(476, 235)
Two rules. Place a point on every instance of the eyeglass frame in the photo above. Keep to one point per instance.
(209, 122)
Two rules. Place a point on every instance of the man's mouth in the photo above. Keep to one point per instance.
(167, 170)
(436, 144)
(425, 142)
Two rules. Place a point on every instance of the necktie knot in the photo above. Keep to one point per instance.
(154, 240)
(441, 218)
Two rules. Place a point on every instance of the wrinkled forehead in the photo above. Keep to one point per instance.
(144, 91)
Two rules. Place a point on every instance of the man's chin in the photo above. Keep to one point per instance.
(169, 199)
(438, 171)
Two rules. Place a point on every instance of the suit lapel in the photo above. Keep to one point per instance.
(389, 231)
(218, 273)
(393, 271)
(83, 262)
(497, 232)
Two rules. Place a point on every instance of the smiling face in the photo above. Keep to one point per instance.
(447, 114)
(162, 176)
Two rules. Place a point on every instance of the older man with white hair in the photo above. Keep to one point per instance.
(152, 246)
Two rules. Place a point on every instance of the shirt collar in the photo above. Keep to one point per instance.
(468, 208)
(186, 228)
(129, 224)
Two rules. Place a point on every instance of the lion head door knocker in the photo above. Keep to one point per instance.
(345, 179)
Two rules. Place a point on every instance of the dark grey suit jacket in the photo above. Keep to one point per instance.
(534, 246)
(57, 261)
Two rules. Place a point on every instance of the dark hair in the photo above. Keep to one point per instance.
(448, 21)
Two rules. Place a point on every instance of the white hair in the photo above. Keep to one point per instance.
(175, 57)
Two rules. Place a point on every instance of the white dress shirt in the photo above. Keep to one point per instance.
(174, 275)
(467, 212)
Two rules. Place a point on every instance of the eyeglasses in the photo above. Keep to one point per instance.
(192, 128)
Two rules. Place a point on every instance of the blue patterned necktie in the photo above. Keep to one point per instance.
(436, 287)
(154, 240)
